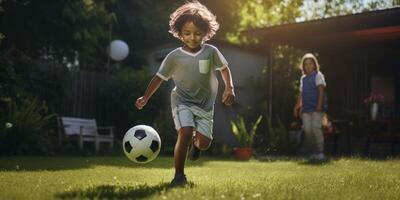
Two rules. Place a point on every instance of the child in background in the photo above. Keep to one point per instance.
(193, 69)
(310, 105)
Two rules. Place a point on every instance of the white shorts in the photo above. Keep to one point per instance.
(202, 121)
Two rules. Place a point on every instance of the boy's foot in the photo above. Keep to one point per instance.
(179, 180)
(194, 152)
(320, 157)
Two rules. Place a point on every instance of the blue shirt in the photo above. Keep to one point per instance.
(310, 92)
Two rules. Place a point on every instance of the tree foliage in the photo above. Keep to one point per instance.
(264, 13)
(58, 31)
(143, 25)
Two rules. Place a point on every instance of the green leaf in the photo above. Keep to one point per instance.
(242, 134)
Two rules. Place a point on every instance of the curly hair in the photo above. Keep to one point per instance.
(197, 13)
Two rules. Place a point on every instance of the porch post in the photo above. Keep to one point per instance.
(270, 53)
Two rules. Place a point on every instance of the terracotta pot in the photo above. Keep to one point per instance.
(243, 153)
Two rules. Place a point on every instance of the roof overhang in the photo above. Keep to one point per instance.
(369, 28)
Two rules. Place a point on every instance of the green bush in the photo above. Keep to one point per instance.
(276, 136)
(25, 127)
(22, 75)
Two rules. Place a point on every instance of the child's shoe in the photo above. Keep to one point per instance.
(179, 180)
(320, 157)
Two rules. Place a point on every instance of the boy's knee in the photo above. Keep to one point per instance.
(204, 145)
(186, 133)
(202, 142)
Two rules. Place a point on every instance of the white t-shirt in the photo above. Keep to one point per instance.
(194, 76)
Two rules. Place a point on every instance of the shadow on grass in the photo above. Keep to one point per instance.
(118, 192)
(316, 162)
(300, 160)
(279, 158)
(55, 163)
(330, 160)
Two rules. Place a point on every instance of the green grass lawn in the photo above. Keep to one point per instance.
(117, 178)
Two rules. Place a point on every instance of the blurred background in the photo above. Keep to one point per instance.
(54, 61)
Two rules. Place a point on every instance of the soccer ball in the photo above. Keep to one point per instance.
(141, 144)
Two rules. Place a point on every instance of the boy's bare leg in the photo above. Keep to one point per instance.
(202, 142)
(181, 147)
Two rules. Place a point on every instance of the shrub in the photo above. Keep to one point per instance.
(25, 127)
(276, 136)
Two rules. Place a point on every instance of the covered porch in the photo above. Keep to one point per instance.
(359, 55)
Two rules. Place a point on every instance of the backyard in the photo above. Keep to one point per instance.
(75, 77)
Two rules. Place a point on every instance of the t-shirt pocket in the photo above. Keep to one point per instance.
(204, 66)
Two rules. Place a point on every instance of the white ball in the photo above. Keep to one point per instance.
(141, 144)
(119, 50)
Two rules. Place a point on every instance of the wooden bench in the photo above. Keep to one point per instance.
(84, 130)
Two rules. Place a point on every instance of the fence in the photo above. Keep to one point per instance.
(84, 96)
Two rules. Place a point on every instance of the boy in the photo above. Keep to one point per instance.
(192, 68)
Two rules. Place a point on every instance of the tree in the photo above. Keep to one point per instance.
(56, 31)
(143, 25)
(265, 13)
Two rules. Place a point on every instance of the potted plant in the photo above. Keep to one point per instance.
(244, 137)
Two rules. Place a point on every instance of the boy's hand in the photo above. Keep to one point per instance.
(140, 102)
(297, 112)
(229, 96)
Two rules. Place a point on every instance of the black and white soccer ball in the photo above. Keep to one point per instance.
(141, 144)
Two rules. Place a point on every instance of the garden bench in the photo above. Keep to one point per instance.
(84, 130)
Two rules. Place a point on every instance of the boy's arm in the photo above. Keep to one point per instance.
(321, 90)
(297, 107)
(151, 89)
(229, 93)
